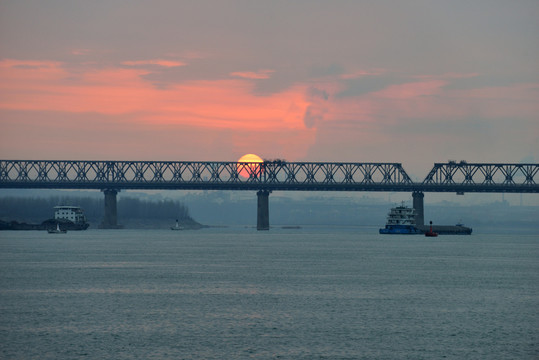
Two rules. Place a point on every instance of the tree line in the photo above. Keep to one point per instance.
(40, 209)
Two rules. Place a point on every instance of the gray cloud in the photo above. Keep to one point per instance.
(369, 83)
(311, 117)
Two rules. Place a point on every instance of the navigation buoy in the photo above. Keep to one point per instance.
(431, 233)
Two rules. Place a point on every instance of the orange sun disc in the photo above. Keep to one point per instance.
(251, 169)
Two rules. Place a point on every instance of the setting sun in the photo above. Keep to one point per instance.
(251, 169)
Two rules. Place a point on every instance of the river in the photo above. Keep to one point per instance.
(235, 293)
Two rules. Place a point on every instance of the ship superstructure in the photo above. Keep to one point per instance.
(71, 213)
(401, 220)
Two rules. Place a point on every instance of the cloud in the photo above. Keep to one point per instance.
(255, 75)
(158, 62)
(317, 93)
(362, 109)
(80, 52)
(122, 94)
(361, 73)
(313, 115)
(418, 81)
(318, 106)
(6, 64)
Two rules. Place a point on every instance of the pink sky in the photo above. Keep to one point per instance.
(307, 81)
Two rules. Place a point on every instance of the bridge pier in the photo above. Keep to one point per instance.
(419, 207)
(262, 218)
(110, 220)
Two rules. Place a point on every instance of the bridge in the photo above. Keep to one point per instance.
(264, 177)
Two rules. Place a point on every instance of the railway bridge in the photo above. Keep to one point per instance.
(264, 177)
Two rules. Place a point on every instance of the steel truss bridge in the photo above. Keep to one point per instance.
(265, 177)
(269, 176)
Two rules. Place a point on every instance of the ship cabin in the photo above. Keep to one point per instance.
(71, 213)
(401, 215)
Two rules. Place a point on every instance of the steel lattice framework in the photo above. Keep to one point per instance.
(269, 175)
(477, 177)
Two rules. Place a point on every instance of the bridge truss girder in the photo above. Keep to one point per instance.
(270, 175)
(199, 175)
(481, 177)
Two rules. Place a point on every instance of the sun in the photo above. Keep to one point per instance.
(252, 169)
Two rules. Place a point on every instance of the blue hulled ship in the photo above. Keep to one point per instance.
(401, 220)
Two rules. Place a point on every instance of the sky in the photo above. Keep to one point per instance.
(414, 82)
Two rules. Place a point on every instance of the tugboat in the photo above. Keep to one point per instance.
(401, 220)
(57, 230)
(430, 233)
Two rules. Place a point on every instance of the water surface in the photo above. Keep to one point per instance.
(312, 293)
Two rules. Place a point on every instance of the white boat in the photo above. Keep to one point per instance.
(401, 220)
(74, 215)
(57, 230)
(177, 226)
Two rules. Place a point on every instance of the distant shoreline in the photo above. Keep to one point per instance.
(45, 225)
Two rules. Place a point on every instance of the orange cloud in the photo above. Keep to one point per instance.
(260, 74)
(219, 104)
(16, 71)
(361, 73)
(226, 112)
(411, 90)
(80, 51)
(159, 62)
(48, 87)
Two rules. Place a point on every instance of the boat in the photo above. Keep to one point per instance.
(57, 230)
(177, 226)
(458, 229)
(68, 217)
(401, 220)
(71, 217)
(430, 233)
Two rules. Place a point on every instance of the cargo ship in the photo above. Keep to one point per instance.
(401, 220)
(71, 217)
(67, 217)
(458, 229)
